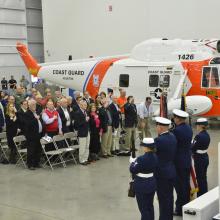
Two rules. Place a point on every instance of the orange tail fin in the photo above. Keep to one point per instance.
(31, 64)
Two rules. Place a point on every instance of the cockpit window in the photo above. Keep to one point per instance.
(164, 81)
(210, 77)
(153, 80)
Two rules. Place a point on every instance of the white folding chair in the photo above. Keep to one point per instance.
(4, 147)
(71, 138)
(53, 157)
(22, 152)
(67, 151)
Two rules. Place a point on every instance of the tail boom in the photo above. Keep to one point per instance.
(31, 64)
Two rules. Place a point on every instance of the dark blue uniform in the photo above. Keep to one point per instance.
(183, 133)
(145, 187)
(201, 160)
(166, 173)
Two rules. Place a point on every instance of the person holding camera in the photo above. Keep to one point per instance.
(130, 111)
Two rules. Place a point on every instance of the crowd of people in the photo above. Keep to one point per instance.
(99, 123)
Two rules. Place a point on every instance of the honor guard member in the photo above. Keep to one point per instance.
(201, 159)
(166, 144)
(145, 182)
(183, 133)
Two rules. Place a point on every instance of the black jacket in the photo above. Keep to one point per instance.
(130, 115)
(31, 127)
(39, 109)
(103, 116)
(11, 126)
(115, 115)
(21, 120)
(80, 124)
(63, 119)
(92, 125)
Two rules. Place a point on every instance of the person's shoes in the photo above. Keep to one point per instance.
(175, 213)
(113, 152)
(105, 156)
(84, 163)
(97, 157)
(31, 168)
(117, 152)
(5, 162)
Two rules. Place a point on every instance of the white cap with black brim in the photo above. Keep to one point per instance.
(148, 142)
(162, 121)
(202, 121)
(179, 113)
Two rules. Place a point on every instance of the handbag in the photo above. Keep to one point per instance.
(131, 192)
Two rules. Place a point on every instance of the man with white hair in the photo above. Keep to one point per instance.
(33, 134)
(81, 124)
(116, 117)
(65, 116)
(75, 95)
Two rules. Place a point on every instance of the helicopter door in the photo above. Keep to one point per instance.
(159, 81)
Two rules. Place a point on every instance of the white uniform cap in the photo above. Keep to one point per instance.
(180, 113)
(162, 121)
(202, 121)
(148, 142)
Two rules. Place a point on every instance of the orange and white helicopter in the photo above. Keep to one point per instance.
(154, 66)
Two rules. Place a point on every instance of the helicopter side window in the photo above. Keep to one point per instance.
(124, 80)
(210, 77)
(206, 77)
(214, 81)
(164, 81)
(153, 80)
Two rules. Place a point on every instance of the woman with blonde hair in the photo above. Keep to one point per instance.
(11, 121)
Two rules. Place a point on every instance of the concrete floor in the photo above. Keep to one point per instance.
(95, 192)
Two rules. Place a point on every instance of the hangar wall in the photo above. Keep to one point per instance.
(84, 27)
(20, 20)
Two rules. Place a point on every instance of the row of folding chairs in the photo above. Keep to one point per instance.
(59, 155)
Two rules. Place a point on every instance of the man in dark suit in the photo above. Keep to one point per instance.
(81, 124)
(106, 127)
(65, 116)
(21, 116)
(76, 107)
(116, 114)
(33, 134)
(130, 121)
